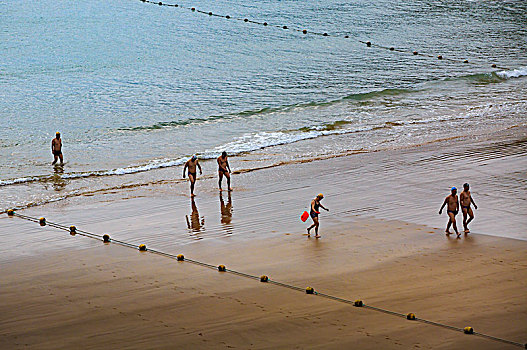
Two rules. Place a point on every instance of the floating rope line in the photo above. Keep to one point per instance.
(305, 31)
(265, 279)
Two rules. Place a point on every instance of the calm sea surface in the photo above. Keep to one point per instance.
(135, 87)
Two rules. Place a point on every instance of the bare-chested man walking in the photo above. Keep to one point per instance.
(224, 169)
(56, 149)
(191, 164)
(452, 209)
(466, 199)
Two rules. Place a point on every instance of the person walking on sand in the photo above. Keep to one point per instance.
(452, 209)
(56, 149)
(466, 199)
(315, 207)
(224, 169)
(191, 164)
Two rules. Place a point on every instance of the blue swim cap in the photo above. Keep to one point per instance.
(453, 188)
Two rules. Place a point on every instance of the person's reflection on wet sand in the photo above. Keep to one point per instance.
(195, 223)
(57, 181)
(226, 212)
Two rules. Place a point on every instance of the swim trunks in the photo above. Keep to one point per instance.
(452, 211)
(313, 214)
(223, 171)
(467, 207)
(193, 175)
(57, 153)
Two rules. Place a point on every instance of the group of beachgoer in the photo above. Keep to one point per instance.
(452, 203)
(224, 170)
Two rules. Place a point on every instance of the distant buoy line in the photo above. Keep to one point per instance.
(73, 230)
(306, 31)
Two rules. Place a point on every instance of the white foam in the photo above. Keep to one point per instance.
(19, 180)
(251, 142)
(155, 164)
(516, 73)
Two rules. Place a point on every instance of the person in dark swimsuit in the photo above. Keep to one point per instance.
(224, 170)
(191, 164)
(465, 199)
(315, 207)
(56, 149)
(452, 209)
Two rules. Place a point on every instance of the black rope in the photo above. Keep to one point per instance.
(246, 275)
(305, 31)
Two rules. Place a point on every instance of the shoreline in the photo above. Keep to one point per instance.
(61, 291)
(407, 185)
(164, 176)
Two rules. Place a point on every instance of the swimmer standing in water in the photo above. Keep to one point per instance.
(191, 164)
(452, 209)
(466, 199)
(56, 149)
(315, 207)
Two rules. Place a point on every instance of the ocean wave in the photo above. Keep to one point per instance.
(22, 180)
(247, 143)
(515, 73)
(211, 118)
(378, 94)
(497, 77)
(363, 96)
(152, 165)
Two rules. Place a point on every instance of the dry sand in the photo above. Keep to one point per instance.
(104, 296)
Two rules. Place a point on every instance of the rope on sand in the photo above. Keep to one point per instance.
(309, 290)
(324, 34)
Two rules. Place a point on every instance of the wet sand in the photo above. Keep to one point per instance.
(61, 291)
(109, 296)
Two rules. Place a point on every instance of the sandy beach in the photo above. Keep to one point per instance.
(382, 242)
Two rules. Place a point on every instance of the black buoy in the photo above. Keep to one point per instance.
(284, 27)
(368, 44)
(304, 31)
(392, 48)
(439, 57)
(246, 20)
(465, 61)
(346, 36)
(193, 9)
(325, 34)
(227, 16)
(210, 13)
(415, 52)
(264, 23)
(160, 3)
(493, 65)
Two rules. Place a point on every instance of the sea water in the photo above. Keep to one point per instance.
(136, 87)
